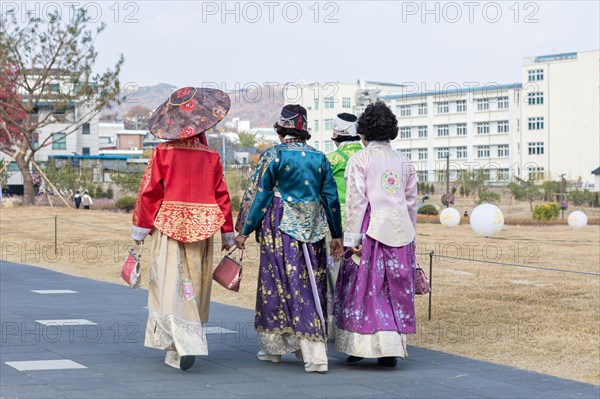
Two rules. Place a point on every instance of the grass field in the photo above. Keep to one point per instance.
(539, 320)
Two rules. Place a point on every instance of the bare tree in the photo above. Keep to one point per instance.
(47, 69)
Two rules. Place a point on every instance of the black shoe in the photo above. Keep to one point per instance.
(353, 359)
(186, 362)
(387, 361)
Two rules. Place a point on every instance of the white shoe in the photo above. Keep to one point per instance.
(315, 368)
(269, 358)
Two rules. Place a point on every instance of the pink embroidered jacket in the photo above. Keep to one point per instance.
(183, 194)
(382, 178)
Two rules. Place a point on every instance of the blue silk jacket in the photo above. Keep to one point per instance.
(303, 178)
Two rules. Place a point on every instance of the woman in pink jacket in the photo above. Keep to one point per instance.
(375, 298)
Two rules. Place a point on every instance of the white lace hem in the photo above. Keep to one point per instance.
(187, 337)
(378, 344)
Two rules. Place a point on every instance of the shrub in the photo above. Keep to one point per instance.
(235, 203)
(546, 211)
(427, 210)
(110, 193)
(431, 189)
(126, 203)
(98, 192)
(448, 199)
(487, 195)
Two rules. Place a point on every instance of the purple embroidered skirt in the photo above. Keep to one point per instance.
(284, 301)
(378, 294)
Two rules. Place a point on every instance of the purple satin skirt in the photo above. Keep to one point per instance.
(378, 294)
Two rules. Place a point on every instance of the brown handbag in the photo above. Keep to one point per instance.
(229, 272)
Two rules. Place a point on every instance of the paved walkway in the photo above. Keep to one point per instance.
(99, 353)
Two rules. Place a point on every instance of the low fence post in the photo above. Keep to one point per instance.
(55, 235)
(430, 279)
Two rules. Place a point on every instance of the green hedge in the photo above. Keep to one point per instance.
(126, 203)
(427, 210)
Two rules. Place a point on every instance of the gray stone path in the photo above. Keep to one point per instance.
(113, 363)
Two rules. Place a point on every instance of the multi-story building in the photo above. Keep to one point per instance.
(324, 101)
(560, 121)
(473, 126)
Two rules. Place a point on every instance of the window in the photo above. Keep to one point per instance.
(461, 106)
(406, 153)
(13, 167)
(503, 102)
(328, 124)
(329, 102)
(502, 126)
(442, 152)
(535, 75)
(317, 144)
(316, 125)
(54, 87)
(85, 151)
(536, 148)
(422, 154)
(461, 129)
(422, 131)
(423, 109)
(461, 152)
(59, 141)
(328, 145)
(422, 175)
(536, 172)
(316, 104)
(85, 128)
(536, 98)
(483, 151)
(483, 104)
(536, 123)
(502, 175)
(442, 108)
(405, 132)
(404, 110)
(345, 102)
(483, 128)
(443, 130)
(503, 151)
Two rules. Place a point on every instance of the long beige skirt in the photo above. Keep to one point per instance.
(179, 296)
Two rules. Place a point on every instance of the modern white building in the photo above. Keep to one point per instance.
(560, 116)
(545, 127)
(324, 101)
(474, 125)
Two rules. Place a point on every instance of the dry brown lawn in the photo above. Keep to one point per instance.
(539, 320)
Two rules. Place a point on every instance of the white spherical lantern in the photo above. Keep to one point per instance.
(577, 219)
(450, 217)
(487, 220)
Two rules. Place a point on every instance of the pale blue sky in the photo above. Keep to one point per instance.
(171, 43)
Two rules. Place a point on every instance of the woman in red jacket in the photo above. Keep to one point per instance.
(182, 201)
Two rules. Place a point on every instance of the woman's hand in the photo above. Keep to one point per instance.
(357, 250)
(240, 240)
(226, 247)
(337, 248)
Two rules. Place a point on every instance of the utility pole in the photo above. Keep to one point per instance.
(448, 173)
(562, 196)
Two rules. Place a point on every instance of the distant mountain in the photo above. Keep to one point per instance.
(259, 105)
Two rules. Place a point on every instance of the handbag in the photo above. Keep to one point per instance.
(229, 272)
(421, 283)
(131, 270)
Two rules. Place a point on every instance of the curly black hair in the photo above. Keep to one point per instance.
(284, 131)
(378, 123)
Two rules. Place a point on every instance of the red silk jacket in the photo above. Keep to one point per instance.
(183, 193)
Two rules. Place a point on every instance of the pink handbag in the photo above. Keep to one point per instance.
(421, 283)
(131, 271)
(229, 272)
